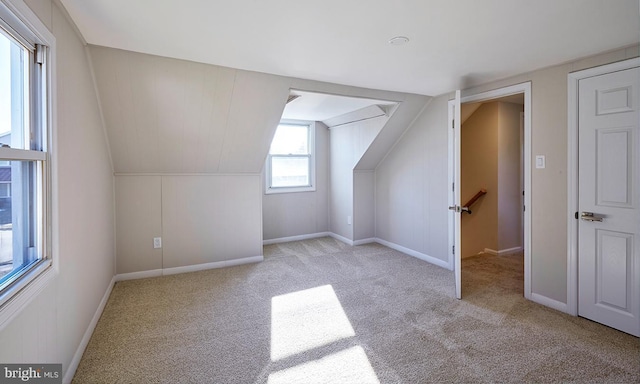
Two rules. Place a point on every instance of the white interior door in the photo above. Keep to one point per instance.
(609, 199)
(457, 204)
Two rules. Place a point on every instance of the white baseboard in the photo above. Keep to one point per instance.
(317, 235)
(416, 254)
(296, 238)
(341, 238)
(213, 265)
(188, 268)
(138, 275)
(364, 241)
(551, 303)
(73, 365)
(503, 251)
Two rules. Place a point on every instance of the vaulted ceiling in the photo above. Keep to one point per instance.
(453, 44)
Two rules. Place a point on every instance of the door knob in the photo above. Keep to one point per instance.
(589, 216)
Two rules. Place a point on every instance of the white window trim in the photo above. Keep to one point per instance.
(23, 21)
(268, 190)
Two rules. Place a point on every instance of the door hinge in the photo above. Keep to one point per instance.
(453, 124)
(453, 249)
(576, 215)
(453, 187)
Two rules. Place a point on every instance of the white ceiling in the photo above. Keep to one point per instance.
(453, 44)
(314, 106)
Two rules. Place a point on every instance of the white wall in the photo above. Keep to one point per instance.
(210, 218)
(301, 213)
(412, 186)
(364, 205)
(51, 327)
(414, 176)
(347, 144)
(201, 219)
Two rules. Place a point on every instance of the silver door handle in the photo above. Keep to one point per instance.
(458, 208)
(589, 216)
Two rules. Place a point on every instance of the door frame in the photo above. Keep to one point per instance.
(572, 171)
(487, 96)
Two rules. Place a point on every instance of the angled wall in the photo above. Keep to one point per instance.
(205, 131)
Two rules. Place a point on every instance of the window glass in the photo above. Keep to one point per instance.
(290, 161)
(290, 140)
(14, 93)
(18, 227)
(289, 171)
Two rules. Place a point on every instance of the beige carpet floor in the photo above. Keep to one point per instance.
(319, 311)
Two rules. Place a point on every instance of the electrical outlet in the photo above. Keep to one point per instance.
(157, 242)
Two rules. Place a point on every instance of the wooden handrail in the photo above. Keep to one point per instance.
(474, 199)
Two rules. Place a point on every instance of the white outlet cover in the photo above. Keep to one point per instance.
(157, 242)
(540, 161)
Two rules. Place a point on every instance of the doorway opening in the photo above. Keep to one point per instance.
(493, 169)
(492, 190)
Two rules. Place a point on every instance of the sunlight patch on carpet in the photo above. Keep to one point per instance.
(305, 320)
(347, 366)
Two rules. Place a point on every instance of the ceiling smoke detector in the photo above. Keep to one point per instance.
(399, 40)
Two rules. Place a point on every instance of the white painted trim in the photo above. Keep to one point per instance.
(364, 241)
(213, 265)
(41, 277)
(495, 94)
(75, 361)
(451, 179)
(503, 251)
(572, 171)
(188, 268)
(16, 302)
(185, 174)
(341, 238)
(416, 254)
(138, 275)
(295, 238)
(547, 302)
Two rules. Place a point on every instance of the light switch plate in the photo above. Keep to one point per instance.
(540, 161)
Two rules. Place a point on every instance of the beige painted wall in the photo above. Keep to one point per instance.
(479, 170)
(509, 171)
(51, 327)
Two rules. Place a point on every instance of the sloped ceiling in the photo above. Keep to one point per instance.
(165, 115)
(453, 44)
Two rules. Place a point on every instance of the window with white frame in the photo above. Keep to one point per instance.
(24, 159)
(290, 163)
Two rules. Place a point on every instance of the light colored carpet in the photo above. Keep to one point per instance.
(319, 311)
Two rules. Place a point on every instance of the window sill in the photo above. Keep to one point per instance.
(273, 191)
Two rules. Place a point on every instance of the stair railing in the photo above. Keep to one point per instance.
(471, 201)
